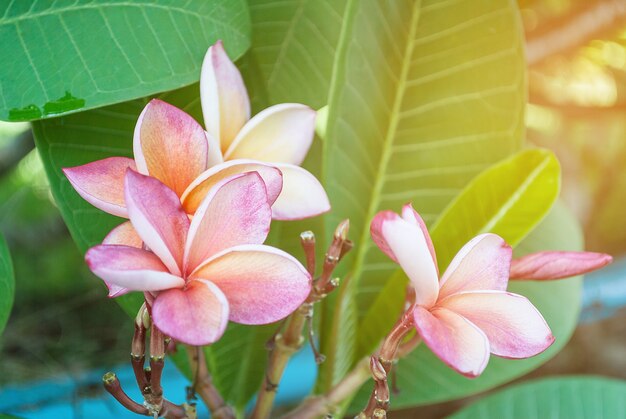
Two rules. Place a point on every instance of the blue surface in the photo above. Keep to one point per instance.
(604, 292)
(82, 396)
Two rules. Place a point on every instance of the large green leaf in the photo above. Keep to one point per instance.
(508, 199)
(7, 283)
(578, 397)
(293, 46)
(68, 56)
(418, 372)
(425, 94)
(237, 361)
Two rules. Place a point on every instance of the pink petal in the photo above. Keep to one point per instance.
(223, 95)
(158, 218)
(263, 284)
(196, 315)
(514, 327)
(130, 268)
(482, 264)
(557, 265)
(405, 243)
(197, 191)
(302, 196)
(411, 216)
(124, 234)
(101, 183)
(234, 212)
(454, 339)
(116, 290)
(281, 134)
(169, 145)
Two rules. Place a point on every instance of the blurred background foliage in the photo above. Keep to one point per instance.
(576, 52)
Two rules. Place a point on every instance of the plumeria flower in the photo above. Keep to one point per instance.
(206, 271)
(467, 314)
(281, 135)
(169, 145)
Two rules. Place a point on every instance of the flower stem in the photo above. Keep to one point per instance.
(203, 385)
(381, 364)
(285, 344)
(376, 366)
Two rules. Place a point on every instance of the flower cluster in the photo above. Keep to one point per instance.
(200, 205)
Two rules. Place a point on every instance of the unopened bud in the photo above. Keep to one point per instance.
(109, 378)
(307, 236)
(379, 413)
(341, 232)
(378, 371)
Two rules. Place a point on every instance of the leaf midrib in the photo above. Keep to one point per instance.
(388, 142)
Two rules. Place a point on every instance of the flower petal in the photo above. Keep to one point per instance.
(410, 215)
(514, 327)
(101, 183)
(157, 216)
(263, 284)
(482, 264)
(116, 290)
(557, 265)
(302, 196)
(130, 268)
(169, 145)
(223, 95)
(454, 339)
(281, 134)
(196, 315)
(197, 191)
(405, 243)
(234, 212)
(124, 234)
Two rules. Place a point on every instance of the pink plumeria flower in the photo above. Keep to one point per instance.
(281, 135)
(206, 271)
(169, 145)
(468, 314)
(557, 264)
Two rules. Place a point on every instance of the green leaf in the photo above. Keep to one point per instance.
(417, 373)
(576, 397)
(237, 361)
(509, 199)
(293, 47)
(69, 56)
(7, 283)
(424, 95)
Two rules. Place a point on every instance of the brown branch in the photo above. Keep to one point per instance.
(566, 34)
(285, 344)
